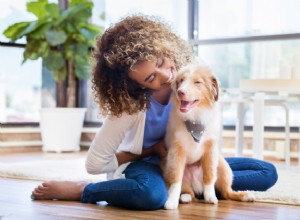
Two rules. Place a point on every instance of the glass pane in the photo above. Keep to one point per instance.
(231, 18)
(257, 60)
(174, 11)
(20, 87)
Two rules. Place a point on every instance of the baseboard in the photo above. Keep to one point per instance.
(89, 132)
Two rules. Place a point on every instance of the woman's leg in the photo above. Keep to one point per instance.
(252, 174)
(144, 188)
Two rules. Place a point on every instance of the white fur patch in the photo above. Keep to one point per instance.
(173, 196)
(210, 194)
(249, 198)
(185, 198)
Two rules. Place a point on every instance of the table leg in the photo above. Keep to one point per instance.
(258, 125)
(239, 141)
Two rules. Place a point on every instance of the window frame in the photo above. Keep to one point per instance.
(193, 29)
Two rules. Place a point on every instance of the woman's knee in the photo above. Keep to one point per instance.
(149, 198)
(271, 175)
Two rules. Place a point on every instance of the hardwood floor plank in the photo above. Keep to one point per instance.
(15, 201)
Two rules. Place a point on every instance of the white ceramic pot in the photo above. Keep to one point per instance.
(61, 128)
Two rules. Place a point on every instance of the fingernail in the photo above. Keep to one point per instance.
(32, 197)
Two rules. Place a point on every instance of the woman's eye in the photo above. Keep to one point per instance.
(160, 62)
(151, 79)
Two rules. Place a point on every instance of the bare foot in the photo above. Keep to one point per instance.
(61, 190)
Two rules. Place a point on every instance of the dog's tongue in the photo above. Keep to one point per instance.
(185, 106)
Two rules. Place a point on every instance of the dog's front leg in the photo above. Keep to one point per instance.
(173, 174)
(209, 165)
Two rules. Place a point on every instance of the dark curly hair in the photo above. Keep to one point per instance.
(135, 38)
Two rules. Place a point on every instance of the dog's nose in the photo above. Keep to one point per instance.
(180, 93)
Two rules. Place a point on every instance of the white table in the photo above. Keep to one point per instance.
(260, 88)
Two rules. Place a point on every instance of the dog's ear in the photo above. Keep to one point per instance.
(215, 88)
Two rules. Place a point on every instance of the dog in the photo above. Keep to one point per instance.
(193, 164)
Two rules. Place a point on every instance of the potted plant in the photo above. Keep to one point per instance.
(62, 38)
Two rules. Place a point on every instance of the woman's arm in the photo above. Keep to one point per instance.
(159, 148)
(101, 156)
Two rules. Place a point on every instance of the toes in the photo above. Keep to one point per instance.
(41, 188)
(46, 184)
(35, 195)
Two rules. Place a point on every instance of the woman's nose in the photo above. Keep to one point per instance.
(163, 73)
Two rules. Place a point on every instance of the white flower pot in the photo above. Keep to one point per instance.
(61, 128)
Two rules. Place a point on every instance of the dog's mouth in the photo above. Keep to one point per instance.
(185, 106)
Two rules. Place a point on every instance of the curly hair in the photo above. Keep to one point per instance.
(135, 38)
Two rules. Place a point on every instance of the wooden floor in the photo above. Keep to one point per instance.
(15, 203)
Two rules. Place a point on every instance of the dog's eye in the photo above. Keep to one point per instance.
(198, 82)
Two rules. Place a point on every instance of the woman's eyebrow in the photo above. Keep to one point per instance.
(148, 77)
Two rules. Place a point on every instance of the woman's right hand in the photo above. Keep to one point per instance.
(160, 148)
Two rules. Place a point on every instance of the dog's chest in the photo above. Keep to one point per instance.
(193, 149)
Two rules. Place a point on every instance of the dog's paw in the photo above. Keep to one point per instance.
(248, 198)
(171, 204)
(185, 198)
(210, 195)
(211, 199)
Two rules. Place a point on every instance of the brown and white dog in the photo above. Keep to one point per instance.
(193, 164)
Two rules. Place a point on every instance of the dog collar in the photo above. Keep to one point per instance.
(196, 130)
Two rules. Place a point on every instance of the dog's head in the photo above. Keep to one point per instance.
(195, 86)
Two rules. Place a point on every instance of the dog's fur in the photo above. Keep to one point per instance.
(190, 167)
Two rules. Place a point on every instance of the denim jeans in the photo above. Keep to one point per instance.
(144, 187)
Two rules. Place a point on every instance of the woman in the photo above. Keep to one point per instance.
(135, 62)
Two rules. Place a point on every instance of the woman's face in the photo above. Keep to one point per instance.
(154, 74)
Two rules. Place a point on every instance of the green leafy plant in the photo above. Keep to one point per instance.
(62, 38)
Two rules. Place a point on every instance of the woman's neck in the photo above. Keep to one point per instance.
(162, 95)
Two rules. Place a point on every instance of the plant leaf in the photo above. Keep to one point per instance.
(54, 60)
(90, 32)
(52, 10)
(37, 8)
(87, 3)
(35, 49)
(82, 67)
(70, 12)
(14, 31)
(55, 37)
(33, 26)
(39, 33)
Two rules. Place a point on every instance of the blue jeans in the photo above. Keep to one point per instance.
(144, 187)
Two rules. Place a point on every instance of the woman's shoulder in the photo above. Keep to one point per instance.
(127, 117)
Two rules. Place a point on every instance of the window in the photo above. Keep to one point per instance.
(20, 85)
(173, 11)
(26, 88)
(250, 39)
